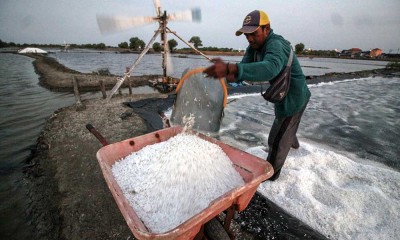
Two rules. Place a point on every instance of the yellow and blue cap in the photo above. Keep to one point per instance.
(253, 21)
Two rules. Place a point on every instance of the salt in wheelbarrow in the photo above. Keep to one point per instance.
(252, 169)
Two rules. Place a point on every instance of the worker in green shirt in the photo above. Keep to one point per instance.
(265, 57)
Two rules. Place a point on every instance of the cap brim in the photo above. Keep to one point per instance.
(246, 29)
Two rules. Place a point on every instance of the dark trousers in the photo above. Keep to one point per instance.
(281, 138)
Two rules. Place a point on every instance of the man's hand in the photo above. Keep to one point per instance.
(218, 69)
(221, 69)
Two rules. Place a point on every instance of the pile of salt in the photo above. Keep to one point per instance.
(169, 182)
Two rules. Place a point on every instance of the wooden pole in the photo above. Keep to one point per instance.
(163, 26)
(103, 89)
(130, 86)
(79, 104)
(129, 80)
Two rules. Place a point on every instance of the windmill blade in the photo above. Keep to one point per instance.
(157, 5)
(188, 15)
(109, 24)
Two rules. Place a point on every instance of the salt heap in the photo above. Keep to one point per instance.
(169, 182)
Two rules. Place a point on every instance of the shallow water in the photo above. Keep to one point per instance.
(24, 105)
(151, 63)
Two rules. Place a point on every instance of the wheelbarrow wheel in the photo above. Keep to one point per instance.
(214, 230)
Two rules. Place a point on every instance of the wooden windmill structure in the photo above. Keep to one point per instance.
(109, 24)
(66, 47)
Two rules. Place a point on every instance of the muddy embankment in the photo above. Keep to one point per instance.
(57, 77)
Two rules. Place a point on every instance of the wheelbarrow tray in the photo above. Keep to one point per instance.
(253, 170)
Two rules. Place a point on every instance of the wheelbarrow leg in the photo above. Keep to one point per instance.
(216, 230)
(200, 235)
(230, 212)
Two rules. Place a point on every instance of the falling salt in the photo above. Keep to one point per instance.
(169, 182)
(188, 122)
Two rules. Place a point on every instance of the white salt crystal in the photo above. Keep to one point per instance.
(169, 182)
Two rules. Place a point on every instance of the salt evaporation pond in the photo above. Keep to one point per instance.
(169, 182)
(344, 180)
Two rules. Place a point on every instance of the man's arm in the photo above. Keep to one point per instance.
(272, 62)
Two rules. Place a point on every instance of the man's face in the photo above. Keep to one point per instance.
(257, 38)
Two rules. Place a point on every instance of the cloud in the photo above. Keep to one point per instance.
(318, 24)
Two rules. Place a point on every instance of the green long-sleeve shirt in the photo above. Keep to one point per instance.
(266, 64)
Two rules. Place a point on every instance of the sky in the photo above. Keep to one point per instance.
(318, 24)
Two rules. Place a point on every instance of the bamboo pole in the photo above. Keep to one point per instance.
(197, 51)
(121, 80)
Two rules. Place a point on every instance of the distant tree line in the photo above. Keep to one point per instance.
(299, 49)
(137, 44)
(89, 45)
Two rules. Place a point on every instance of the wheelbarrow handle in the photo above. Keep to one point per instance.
(96, 134)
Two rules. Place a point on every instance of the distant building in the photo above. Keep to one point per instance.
(308, 51)
(353, 52)
(365, 54)
(376, 52)
(390, 56)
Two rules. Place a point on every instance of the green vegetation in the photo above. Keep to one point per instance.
(103, 72)
(299, 48)
(123, 45)
(319, 53)
(393, 65)
(89, 45)
(135, 43)
(195, 40)
(172, 43)
(157, 47)
(4, 44)
(217, 49)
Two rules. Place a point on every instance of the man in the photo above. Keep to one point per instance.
(265, 57)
